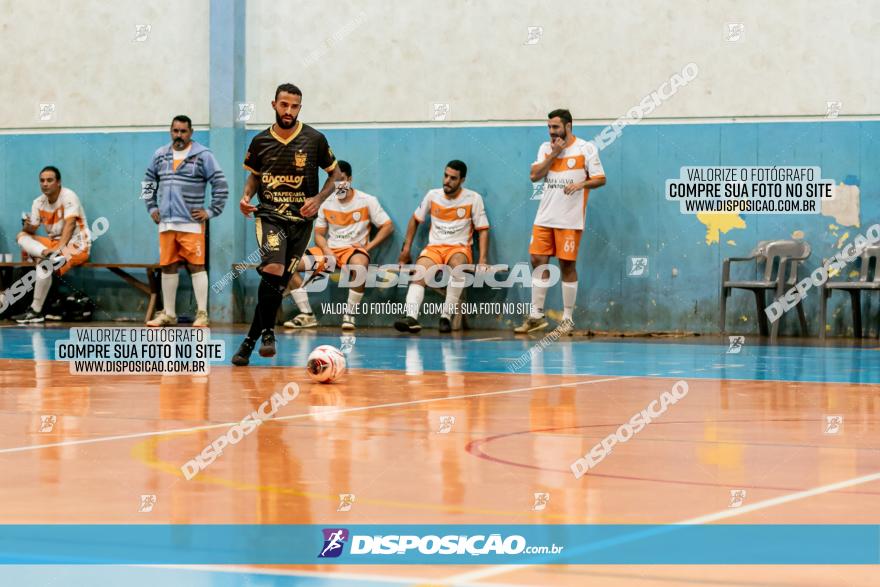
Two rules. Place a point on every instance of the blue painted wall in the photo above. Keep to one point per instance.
(105, 170)
(629, 216)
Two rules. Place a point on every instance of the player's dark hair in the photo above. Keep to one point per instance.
(458, 166)
(182, 118)
(345, 167)
(290, 89)
(53, 169)
(561, 113)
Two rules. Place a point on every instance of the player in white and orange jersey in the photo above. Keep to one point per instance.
(570, 168)
(455, 214)
(342, 237)
(67, 243)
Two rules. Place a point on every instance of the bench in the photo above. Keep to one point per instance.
(151, 288)
(458, 321)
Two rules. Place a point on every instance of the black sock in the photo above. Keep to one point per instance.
(269, 296)
(256, 325)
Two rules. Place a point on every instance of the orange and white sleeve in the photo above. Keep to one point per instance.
(478, 214)
(424, 208)
(378, 216)
(594, 165)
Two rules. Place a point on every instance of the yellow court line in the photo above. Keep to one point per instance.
(145, 452)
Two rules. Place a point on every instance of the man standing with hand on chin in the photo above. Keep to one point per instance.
(570, 168)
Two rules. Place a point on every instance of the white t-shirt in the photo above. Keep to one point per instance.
(453, 221)
(574, 163)
(348, 224)
(52, 217)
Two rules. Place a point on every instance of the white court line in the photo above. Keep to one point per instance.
(242, 570)
(307, 415)
(496, 570)
(485, 339)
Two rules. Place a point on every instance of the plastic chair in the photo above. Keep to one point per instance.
(780, 258)
(866, 281)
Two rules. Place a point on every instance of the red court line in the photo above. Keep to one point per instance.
(474, 448)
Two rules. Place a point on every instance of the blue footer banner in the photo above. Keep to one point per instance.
(440, 544)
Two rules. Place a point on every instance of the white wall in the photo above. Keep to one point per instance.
(388, 61)
(81, 56)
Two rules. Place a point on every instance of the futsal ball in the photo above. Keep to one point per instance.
(325, 364)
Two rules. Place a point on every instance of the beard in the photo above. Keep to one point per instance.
(281, 124)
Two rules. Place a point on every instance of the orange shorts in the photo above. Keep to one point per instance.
(175, 246)
(74, 255)
(562, 243)
(342, 255)
(441, 254)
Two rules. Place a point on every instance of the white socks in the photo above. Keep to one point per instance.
(354, 298)
(41, 289)
(170, 281)
(169, 292)
(569, 294)
(200, 290)
(539, 294)
(414, 296)
(31, 246)
(453, 294)
(301, 298)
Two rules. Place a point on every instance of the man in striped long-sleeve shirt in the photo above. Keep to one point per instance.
(174, 190)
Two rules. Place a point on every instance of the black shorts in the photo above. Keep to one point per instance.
(282, 242)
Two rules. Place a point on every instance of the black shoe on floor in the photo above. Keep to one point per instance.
(408, 324)
(445, 324)
(30, 317)
(267, 346)
(242, 357)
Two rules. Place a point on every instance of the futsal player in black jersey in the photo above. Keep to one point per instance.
(283, 161)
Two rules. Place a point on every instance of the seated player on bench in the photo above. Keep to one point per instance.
(455, 214)
(67, 242)
(342, 237)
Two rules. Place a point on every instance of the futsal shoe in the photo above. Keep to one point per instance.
(347, 322)
(30, 317)
(302, 321)
(267, 346)
(162, 319)
(201, 320)
(408, 324)
(445, 324)
(566, 326)
(242, 356)
(531, 325)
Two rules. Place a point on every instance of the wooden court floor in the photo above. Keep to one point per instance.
(756, 422)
